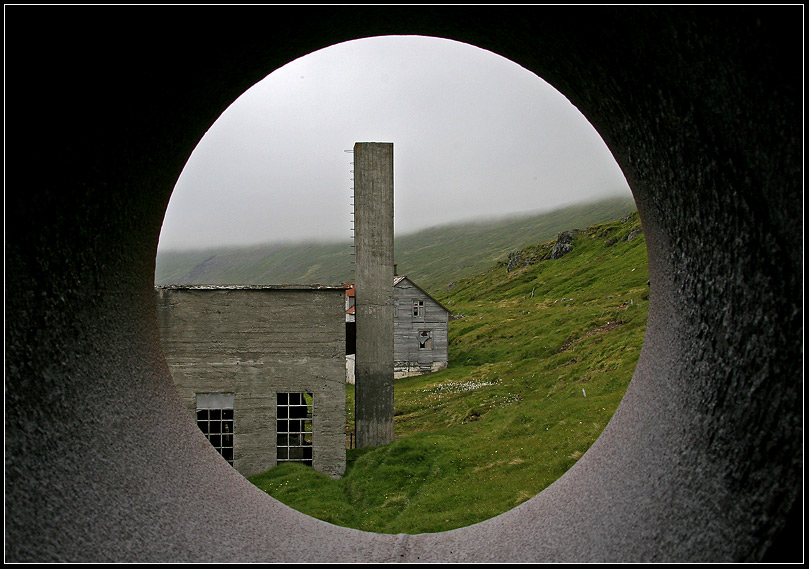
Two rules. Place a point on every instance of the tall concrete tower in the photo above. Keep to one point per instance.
(373, 264)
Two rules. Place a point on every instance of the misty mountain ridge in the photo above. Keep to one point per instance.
(433, 257)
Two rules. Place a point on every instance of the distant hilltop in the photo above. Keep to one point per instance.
(434, 257)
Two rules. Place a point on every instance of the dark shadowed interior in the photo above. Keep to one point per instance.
(702, 109)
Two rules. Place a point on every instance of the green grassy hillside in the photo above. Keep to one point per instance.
(434, 257)
(540, 357)
(437, 257)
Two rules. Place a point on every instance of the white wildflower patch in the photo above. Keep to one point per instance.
(459, 386)
(501, 400)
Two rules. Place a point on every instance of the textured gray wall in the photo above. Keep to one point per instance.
(701, 108)
(256, 342)
(373, 281)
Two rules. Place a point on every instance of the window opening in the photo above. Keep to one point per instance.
(215, 420)
(418, 309)
(294, 427)
(425, 339)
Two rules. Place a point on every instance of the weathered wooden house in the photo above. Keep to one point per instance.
(420, 329)
(262, 369)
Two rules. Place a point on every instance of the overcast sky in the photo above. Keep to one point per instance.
(474, 136)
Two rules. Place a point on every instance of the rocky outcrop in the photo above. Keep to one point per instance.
(634, 234)
(633, 218)
(553, 250)
(564, 244)
(519, 259)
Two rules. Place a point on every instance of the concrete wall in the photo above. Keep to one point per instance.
(408, 358)
(255, 342)
(373, 240)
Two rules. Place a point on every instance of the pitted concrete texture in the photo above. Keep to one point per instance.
(373, 276)
(701, 108)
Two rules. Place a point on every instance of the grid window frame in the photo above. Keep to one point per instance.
(294, 428)
(217, 423)
(418, 310)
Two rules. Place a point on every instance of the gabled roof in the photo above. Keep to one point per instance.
(397, 280)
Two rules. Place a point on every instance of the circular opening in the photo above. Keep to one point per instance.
(548, 313)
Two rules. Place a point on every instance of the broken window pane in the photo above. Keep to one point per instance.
(425, 339)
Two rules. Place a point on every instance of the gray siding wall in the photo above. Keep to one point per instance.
(409, 359)
(254, 343)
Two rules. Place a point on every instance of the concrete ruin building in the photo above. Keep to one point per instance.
(262, 368)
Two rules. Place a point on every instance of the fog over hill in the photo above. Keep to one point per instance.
(433, 257)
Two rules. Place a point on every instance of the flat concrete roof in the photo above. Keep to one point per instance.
(253, 287)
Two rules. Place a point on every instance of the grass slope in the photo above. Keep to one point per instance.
(437, 257)
(434, 257)
(540, 358)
